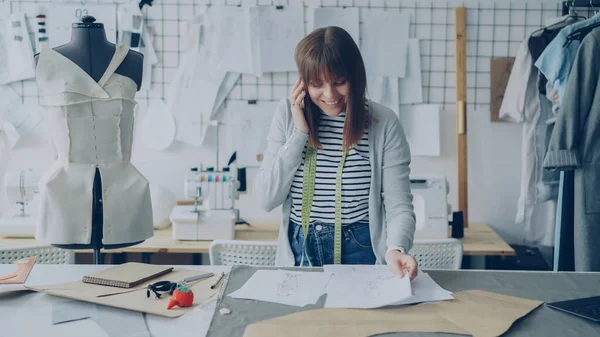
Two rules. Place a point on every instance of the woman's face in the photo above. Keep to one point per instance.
(331, 97)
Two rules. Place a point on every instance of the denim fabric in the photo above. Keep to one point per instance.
(356, 243)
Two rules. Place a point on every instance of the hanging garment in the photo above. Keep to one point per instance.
(575, 144)
(521, 105)
(92, 127)
(556, 60)
(546, 184)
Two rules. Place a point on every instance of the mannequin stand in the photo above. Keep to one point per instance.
(90, 50)
(97, 223)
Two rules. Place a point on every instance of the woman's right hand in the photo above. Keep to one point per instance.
(298, 94)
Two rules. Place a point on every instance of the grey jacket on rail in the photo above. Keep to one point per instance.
(575, 144)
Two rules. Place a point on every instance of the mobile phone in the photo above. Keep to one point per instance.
(305, 101)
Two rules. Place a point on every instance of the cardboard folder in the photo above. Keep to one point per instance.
(135, 298)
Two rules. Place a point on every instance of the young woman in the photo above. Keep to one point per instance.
(339, 165)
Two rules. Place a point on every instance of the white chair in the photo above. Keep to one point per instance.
(430, 254)
(250, 253)
(438, 254)
(45, 254)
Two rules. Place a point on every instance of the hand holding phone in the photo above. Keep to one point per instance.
(298, 95)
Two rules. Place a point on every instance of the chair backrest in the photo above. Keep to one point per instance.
(45, 254)
(251, 253)
(438, 254)
(431, 254)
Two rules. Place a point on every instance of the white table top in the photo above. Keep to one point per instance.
(25, 313)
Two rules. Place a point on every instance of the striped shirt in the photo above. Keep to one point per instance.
(356, 177)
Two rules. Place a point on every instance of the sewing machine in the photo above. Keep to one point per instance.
(21, 188)
(213, 215)
(430, 200)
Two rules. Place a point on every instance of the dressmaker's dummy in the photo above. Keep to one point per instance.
(92, 197)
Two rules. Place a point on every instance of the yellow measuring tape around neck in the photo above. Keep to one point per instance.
(308, 192)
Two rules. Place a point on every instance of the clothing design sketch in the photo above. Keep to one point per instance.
(289, 285)
(92, 128)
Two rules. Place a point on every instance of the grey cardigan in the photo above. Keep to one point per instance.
(391, 216)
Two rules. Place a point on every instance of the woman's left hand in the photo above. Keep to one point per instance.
(399, 263)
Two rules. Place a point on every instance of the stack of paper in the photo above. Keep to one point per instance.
(365, 287)
(390, 289)
(285, 287)
(346, 286)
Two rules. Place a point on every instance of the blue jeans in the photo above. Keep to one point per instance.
(356, 243)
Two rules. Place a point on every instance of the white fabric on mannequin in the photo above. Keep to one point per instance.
(92, 127)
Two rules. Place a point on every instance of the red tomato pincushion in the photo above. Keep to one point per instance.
(182, 297)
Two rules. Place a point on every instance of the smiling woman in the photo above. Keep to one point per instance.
(332, 69)
(339, 165)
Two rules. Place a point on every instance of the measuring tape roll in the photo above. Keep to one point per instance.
(308, 191)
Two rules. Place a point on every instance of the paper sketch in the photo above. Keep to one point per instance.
(277, 33)
(16, 54)
(384, 90)
(365, 287)
(288, 286)
(285, 287)
(424, 288)
(194, 92)
(421, 124)
(385, 42)
(12, 119)
(228, 83)
(251, 125)
(158, 126)
(226, 32)
(27, 116)
(150, 58)
(345, 18)
(410, 88)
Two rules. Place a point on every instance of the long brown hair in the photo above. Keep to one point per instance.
(332, 53)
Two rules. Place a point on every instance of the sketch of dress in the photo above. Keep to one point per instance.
(288, 286)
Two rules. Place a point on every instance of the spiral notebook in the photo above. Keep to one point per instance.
(127, 275)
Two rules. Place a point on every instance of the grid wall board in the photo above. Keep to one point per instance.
(494, 29)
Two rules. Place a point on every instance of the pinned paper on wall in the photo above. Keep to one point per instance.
(421, 124)
(11, 102)
(251, 125)
(60, 17)
(27, 116)
(158, 126)
(275, 32)
(150, 58)
(228, 83)
(197, 91)
(10, 133)
(345, 18)
(16, 53)
(385, 42)
(384, 90)
(410, 88)
(227, 35)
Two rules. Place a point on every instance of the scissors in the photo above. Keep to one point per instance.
(169, 287)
